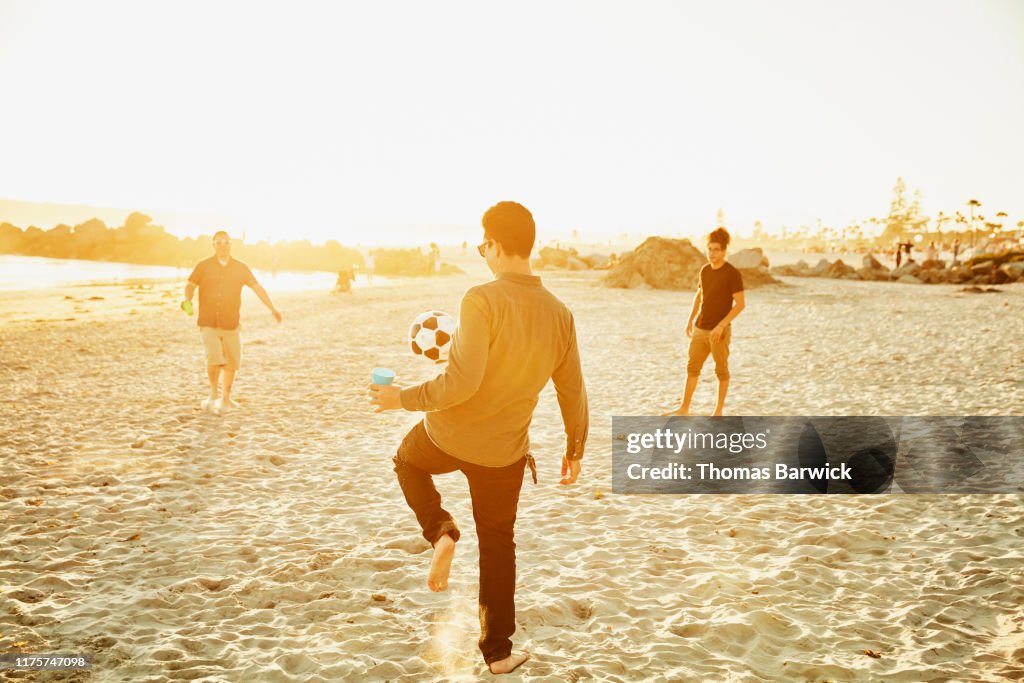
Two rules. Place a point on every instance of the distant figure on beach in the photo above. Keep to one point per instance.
(719, 299)
(220, 279)
(478, 415)
(956, 251)
(932, 254)
(435, 259)
(346, 277)
(899, 253)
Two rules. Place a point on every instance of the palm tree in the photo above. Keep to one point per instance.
(1000, 216)
(942, 218)
(973, 204)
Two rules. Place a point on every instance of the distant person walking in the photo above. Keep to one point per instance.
(719, 299)
(220, 279)
(956, 251)
(435, 258)
(343, 285)
(478, 415)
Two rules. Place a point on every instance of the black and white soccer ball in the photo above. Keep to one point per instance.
(431, 335)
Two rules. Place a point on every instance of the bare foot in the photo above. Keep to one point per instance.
(441, 565)
(682, 412)
(504, 666)
(228, 403)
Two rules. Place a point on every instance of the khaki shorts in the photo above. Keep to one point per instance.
(223, 347)
(701, 346)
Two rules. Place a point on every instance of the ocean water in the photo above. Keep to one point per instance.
(33, 272)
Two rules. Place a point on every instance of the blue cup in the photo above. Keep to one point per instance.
(383, 376)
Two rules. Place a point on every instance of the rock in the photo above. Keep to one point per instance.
(555, 257)
(960, 273)
(838, 269)
(873, 274)
(757, 277)
(661, 263)
(1013, 270)
(664, 263)
(599, 261)
(574, 263)
(748, 259)
(999, 277)
(851, 276)
(798, 269)
(820, 268)
(909, 279)
(981, 268)
(933, 264)
(871, 263)
(908, 268)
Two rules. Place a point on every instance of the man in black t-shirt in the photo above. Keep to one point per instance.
(718, 301)
(220, 279)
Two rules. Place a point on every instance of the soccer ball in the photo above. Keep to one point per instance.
(431, 335)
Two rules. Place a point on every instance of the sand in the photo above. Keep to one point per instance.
(273, 544)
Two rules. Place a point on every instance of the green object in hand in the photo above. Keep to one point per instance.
(187, 307)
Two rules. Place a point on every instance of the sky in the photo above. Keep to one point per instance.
(403, 121)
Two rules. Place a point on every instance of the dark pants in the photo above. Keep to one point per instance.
(495, 495)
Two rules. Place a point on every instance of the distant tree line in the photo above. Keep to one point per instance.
(140, 241)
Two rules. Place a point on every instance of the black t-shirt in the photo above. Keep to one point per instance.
(220, 291)
(717, 288)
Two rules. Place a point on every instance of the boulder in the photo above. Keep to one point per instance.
(838, 269)
(550, 256)
(665, 263)
(982, 267)
(933, 264)
(820, 268)
(748, 259)
(908, 268)
(659, 262)
(909, 279)
(873, 274)
(757, 277)
(798, 269)
(1014, 270)
(960, 274)
(575, 263)
(871, 263)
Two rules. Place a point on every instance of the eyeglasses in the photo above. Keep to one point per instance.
(481, 248)
(222, 241)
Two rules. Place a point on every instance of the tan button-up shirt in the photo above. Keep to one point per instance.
(513, 336)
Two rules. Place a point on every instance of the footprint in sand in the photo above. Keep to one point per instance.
(413, 546)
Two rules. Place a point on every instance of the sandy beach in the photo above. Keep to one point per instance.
(273, 544)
